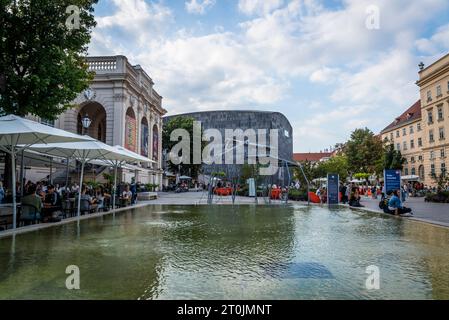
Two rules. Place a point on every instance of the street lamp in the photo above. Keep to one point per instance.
(86, 122)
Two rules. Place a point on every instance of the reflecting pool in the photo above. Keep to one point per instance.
(226, 252)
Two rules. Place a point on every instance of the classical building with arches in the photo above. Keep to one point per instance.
(124, 109)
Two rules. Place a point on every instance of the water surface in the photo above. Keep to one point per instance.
(225, 252)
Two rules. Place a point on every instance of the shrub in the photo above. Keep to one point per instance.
(439, 197)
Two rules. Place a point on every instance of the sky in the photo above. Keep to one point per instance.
(330, 66)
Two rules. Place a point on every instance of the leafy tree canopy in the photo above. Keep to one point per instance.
(42, 48)
(364, 150)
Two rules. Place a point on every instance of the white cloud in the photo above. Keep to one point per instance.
(437, 43)
(279, 44)
(199, 6)
(259, 7)
(325, 75)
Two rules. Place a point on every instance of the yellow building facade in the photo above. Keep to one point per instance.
(406, 134)
(434, 91)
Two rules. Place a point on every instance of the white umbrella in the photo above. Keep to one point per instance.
(18, 134)
(84, 152)
(134, 157)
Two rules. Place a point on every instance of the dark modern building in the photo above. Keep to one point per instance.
(256, 120)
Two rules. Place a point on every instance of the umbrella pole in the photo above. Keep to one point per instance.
(80, 188)
(67, 174)
(13, 179)
(115, 187)
(22, 174)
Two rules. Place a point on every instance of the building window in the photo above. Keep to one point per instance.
(413, 172)
(405, 145)
(432, 169)
(412, 144)
(429, 96)
(431, 138)
(432, 155)
(418, 126)
(404, 131)
(439, 94)
(406, 171)
(411, 130)
(398, 146)
(397, 134)
(430, 117)
(391, 136)
(441, 134)
(419, 142)
(412, 159)
(442, 153)
(443, 169)
(440, 113)
(420, 158)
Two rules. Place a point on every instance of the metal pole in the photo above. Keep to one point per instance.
(22, 174)
(13, 179)
(114, 187)
(81, 187)
(51, 170)
(67, 174)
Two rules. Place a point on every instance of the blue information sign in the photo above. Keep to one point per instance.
(333, 189)
(392, 180)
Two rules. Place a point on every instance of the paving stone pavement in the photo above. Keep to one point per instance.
(435, 213)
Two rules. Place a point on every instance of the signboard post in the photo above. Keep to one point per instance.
(392, 180)
(252, 187)
(333, 189)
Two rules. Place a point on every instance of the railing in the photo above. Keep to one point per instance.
(106, 64)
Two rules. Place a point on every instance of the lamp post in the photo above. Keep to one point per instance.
(86, 122)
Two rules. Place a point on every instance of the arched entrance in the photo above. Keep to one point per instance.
(144, 137)
(421, 172)
(131, 130)
(97, 114)
(155, 143)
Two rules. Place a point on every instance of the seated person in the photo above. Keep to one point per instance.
(87, 202)
(383, 204)
(29, 201)
(354, 199)
(127, 196)
(395, 204)
(52, 203)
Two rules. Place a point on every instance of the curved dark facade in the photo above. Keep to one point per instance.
(244, 120)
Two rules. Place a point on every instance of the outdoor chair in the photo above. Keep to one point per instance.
(67, 210)
(85, 206)
(29, 215)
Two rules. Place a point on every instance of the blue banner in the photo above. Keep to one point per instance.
(333, 189)
(392, 180)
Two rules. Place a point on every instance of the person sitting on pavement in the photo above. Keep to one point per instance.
(354, 199)
(395, 204)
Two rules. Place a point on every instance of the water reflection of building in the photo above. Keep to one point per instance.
(124, 109)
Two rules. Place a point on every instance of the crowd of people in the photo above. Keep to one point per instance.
(42, 201)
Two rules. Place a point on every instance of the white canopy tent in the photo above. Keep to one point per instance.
(410, 178)
(18, 134)
(129, 157)
(84, 152)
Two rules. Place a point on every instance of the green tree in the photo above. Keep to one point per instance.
(364, 150)
(42, 50)
(185, 123)
(393, 159)
(337, 164)
(42, 64)
(309, 170)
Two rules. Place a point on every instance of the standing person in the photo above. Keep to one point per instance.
(2, 192)
(344, 197)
